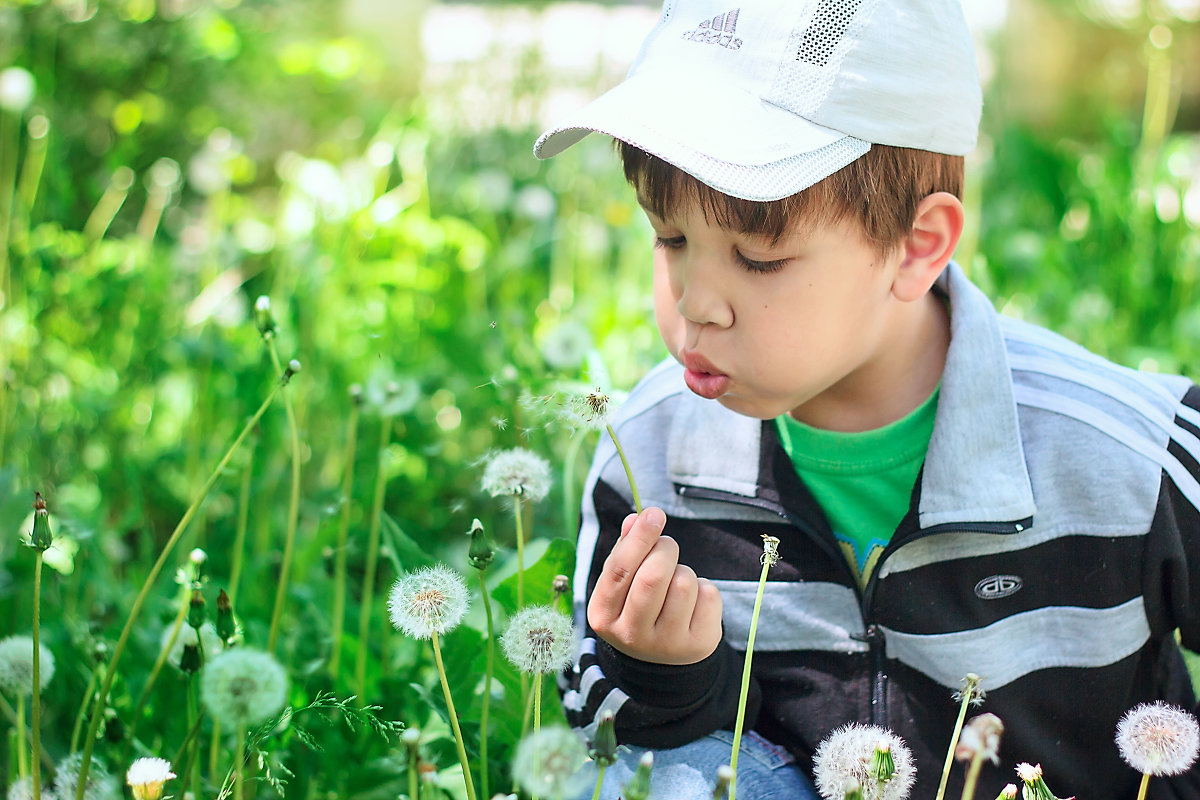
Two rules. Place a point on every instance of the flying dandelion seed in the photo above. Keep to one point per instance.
(539, 639)
(243, 687)
(428, 601)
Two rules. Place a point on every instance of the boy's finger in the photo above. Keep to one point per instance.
(627, 523)
(608, 598)
(648, 590)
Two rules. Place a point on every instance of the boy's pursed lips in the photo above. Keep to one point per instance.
(701, 376)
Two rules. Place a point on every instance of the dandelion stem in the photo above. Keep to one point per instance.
(520, 552)
(967, 695)
(293, 508)
(599, 781)
(193, 706)
(741, 712)
(22, 756)
(412, 780)
(968, 792)
(339, 585)
(163, 652)
(87, 697)
(110, 673)
(458, 738)
(537, 715)
(243, 519)
(36, 702)
(368, 584)
(1142, 787)
(238, 768)
(637, 500)
(192, 734)
(12, 718)
(487, 689)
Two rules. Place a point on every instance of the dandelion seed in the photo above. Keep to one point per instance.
(549, 763)
(500, 423)
(243, 687)
(539, 639)
(517, 472)
(16, 665)
(847, 754)
(1158, 739)
(592, 409)
(428, 601)
(100, 784)
(146, 777)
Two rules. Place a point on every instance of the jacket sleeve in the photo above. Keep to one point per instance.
(655, 705)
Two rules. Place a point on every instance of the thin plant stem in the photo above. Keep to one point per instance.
(537, 715)
(967, 694)
(243, 519)
(238, 769)
(214, 751)
(458, 738)
(368, 584)
(487, 689)
(637, 500)
(1142, 787)
(599, 781)
(412, 779)
(87, 696)
(968, 792)
(742, 696)
(520, 552)
(159, 661)
(339, 583)
(36, 703)
(110, 673)
(192, 734)
(293, 509)
(22, 755)
(193, 711)
(12, 718)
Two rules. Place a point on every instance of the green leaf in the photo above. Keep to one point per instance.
(558, 559)
(406, 555)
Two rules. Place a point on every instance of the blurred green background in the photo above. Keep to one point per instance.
(367, 166)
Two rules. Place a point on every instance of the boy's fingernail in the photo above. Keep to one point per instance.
(655, 518)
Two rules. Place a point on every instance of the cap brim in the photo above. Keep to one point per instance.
(714, 131)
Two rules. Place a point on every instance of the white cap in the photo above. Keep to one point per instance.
(765, 98)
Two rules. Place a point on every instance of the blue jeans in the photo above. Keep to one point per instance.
(765, 771)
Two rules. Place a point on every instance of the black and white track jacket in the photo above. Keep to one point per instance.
(1052, 546)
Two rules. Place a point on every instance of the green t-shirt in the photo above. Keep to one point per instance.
(863, 481)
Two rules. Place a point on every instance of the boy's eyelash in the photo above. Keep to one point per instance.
(676, 242)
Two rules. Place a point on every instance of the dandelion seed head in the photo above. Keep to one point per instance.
(592, 409)
(517, 472)
(22, 789)
(243, 687)
(539, 639)
(428, 601)
(146, 777)
(209, 640)
(1158, 739)
(100, 784)
(770, 556)
(972, 690)
(566, 346)
(1028, 773)
(980, 736)
(16, 665)
(846, 754)
(549, 763)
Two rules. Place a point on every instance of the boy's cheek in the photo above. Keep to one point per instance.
(666, 316)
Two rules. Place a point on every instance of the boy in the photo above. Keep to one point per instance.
(953, 492)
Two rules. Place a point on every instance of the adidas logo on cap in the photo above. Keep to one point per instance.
(721, 30)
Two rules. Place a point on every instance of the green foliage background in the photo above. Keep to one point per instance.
(440, 268)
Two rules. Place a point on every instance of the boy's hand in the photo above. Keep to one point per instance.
(648, 605)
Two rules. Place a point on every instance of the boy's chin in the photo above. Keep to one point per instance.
(748, 408)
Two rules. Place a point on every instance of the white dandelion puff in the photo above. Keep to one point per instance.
(549, 763)
(517, 472)
(981, 737)
(566, 346)
(847, 754)
(539, 639)
(100, 784)
(146, 777)
(243, 687)
(22, 789)
(428, 601)
(1158, 739)
(16, 665)
(208, 638)
(592, 409)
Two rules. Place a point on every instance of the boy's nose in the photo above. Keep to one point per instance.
(699, 299)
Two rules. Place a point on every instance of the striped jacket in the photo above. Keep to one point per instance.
(1052, 546)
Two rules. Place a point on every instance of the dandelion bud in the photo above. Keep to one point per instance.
(980, 737)
(356, 394)
(539, 639)
(562, 585)
(190, 661)
(883, 767)
(1035, 786)
(638, 787)
(263, 317)
(41, 538)
(428, 601)
(1009, 792)
(481, 553)
(547, 763)
(411, 737)
(17, 89)
(604, 746)
(226, 627)
(724, 778)
(195, 616)
(146, 777)
(1158, 739)
(852, 790)
(198, 557)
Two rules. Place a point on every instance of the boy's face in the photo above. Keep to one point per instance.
(801, 326)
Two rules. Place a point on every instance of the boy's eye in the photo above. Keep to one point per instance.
(761, 266)
(671, 243)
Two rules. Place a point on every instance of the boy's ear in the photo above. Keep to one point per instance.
(935, 233)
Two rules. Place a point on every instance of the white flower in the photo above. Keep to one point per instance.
(428, 601)
(100, 785)
(548, 763)
(539, 639)
(847, 752)
(243, 687)
(1158, 739)
(146, 777)
(187, 635)
(16, 665)
(17, 88)
(517, 472)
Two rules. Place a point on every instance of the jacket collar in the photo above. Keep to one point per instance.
(975, 469)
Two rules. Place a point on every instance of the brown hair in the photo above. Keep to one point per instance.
(880, 191)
